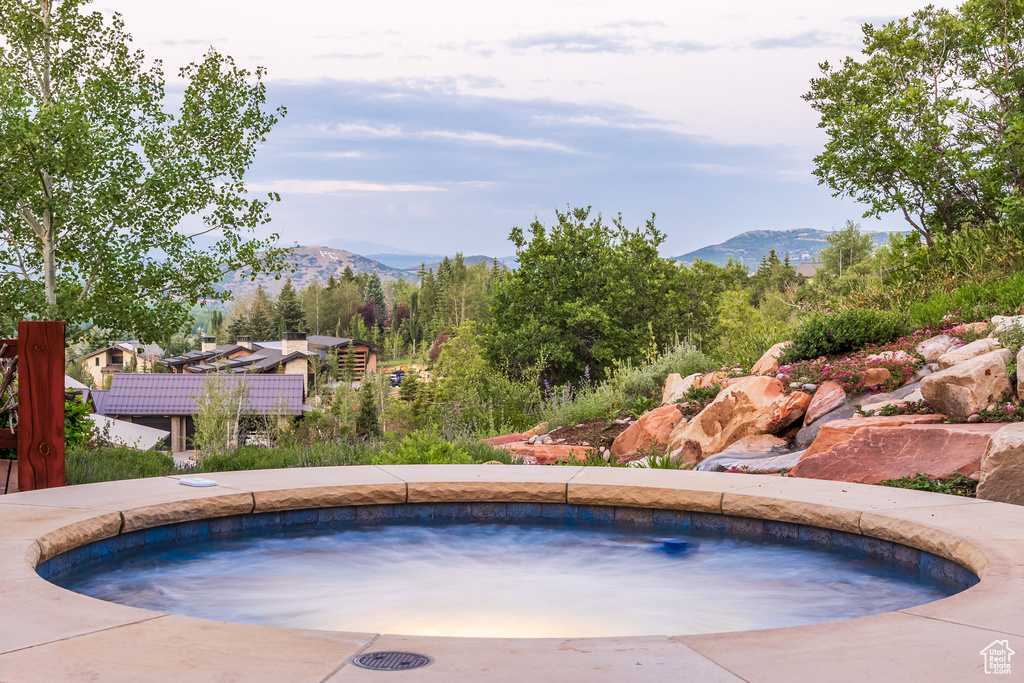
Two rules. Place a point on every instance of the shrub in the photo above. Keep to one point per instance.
(83, 466)
(422, 448)
(647, 380)
(954, 484)
(833, 333)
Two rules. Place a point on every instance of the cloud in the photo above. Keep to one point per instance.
(497, 140)
(684, 47)
(875, 20)
(364, 129)
(636, 23)
(349, 55)
(312, 186)
(579, 43)
(192, 41)
(812, 38)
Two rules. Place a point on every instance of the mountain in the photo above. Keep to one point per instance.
(749, 247)
(405, 261)
(315, 263)
(364, 247)
(507, 261)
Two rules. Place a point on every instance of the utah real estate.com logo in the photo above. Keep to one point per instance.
(997, 657)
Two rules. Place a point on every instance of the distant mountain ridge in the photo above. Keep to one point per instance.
(314, 263)
(748, 248)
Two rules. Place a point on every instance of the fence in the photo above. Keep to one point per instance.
(32, 400)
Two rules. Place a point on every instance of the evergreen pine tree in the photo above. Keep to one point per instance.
(288, 310)
(348, 275)
(331, 282)
(349, 372)
(367, 423)
(375, 294)
(261, 317)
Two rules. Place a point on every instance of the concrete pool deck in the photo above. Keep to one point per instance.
(51, 634)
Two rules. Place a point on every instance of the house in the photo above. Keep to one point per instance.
(293, 355)
(121, 356)
(167, 401)
(809, 270)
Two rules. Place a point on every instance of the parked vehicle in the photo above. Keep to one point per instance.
(396, 377)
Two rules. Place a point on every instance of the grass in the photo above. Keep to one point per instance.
(953, 484)
(88, 466)
(111, 464)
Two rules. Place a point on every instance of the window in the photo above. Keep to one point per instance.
(97, 360)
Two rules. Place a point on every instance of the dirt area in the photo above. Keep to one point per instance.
(596, 433)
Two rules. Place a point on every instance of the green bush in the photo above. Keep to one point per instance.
(833, 333)
(345, 452)
(954, 484)
(422, 448)
(83, 466)
(647, 380)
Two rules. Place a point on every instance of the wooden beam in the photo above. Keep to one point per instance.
(8, 348)
(40, 405)
(8, 439)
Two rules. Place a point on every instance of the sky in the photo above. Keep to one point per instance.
(437, 127)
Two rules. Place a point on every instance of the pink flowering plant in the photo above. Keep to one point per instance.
(851, 370)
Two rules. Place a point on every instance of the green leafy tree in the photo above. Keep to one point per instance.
(288, 310)
(846, 248)
(585, 293)
(774, 277)
(928, 123)
(96, 175)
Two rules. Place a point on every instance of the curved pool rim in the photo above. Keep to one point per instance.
(48, 633)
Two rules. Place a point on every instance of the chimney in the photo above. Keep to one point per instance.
(294, 341)
(244, 341)
(209, 343)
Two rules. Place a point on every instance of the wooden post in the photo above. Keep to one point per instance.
(40, 404)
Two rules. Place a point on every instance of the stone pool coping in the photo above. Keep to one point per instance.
(48, 633)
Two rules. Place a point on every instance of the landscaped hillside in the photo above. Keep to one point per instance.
(314, 263)
(749, 247)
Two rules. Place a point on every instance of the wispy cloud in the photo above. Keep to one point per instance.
(812, 38)
(349, 55)
(192, 41)
(578, 42)
(370, 130)
(311, 186)
(497, 140)
(683, 47)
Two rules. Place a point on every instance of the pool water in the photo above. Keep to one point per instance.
(512, 580)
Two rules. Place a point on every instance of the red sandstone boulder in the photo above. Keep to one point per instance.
(970, 385)
(676, 386)
(829, 396)
(934, 347)
(837, 431)
(1002, 467)
(972, 350)
(876, 376)
(502, 440)
(768, 364)
(755, 405)
(874, 454)
(652, 428)
(547, 454)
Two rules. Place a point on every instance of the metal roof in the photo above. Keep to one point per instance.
(171, 394)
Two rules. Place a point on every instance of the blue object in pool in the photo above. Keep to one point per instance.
(674, 546)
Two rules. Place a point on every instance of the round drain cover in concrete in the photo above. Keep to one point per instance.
(391, 661)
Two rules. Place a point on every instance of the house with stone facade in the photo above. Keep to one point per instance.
(121, 356)
(293, 355)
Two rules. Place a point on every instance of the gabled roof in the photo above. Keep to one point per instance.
(171, 394)
(202, 356)
(130, 345)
